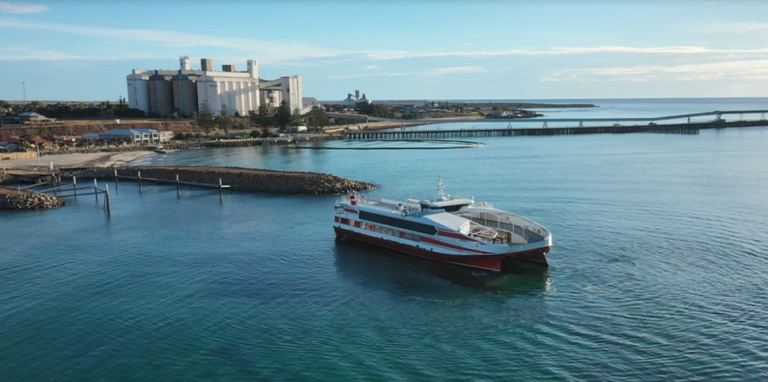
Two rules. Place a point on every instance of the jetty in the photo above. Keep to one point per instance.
(683, 128)
(617, 126)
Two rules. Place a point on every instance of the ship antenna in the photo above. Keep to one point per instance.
(441, 188)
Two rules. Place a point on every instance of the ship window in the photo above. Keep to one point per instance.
(454, 208)
(399, 223)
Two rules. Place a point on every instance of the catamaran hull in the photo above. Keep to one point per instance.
(487, 262)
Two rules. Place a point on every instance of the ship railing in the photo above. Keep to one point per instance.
(495, 223)
(510, 222)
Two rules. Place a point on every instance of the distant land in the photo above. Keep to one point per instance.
(483, 103)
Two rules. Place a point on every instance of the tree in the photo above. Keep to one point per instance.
(318, 117)
(4, 108)
(205, 118)
(373, 110)
(283, 116)
(296, 118)
(262, 117)
(255, 134)
(225, 121)
(265, 132)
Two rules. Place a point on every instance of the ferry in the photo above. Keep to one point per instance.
(452, 230)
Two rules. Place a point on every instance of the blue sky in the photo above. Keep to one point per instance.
(82, 50)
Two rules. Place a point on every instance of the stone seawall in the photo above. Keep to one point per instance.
(240, 179)
(28, 201)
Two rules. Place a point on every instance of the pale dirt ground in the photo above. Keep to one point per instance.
(77, 160)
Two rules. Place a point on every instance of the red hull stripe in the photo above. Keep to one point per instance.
(454, 235)
(350, 211)
(451, 246)
(489, 262)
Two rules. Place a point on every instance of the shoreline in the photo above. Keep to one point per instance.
(98, 159)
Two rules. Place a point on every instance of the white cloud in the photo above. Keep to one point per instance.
(425, 72)
(394, 55)
(744, 70)
(291, 51)
(272, 50)
(462, 69)
(26, 54)
(22, 8)
(751, 29)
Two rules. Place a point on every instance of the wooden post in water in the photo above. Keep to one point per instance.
(178, 192)
(96, 189)
(74, 185)
(54, 189)
(109, 204)
(139, 182)
(220, 190)
(117, 183)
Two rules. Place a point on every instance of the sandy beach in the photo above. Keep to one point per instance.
(77, 160)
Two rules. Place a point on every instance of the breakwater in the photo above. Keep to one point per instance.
(11, 200)
(240, 179)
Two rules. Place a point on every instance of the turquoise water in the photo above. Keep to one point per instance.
(658, 271)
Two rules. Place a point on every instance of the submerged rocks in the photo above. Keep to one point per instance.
(240, 179)
(28, 201)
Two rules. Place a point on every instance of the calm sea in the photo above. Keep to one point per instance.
(659, 270)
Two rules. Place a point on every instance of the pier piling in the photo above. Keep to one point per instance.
(96, 189)
(178, 188)
(107, 201)
(74, 185)
(139, 176)
(117, 183)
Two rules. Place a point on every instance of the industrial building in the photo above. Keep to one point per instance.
(354, 100)
(164, 92)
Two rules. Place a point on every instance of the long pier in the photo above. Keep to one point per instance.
(678, 128)
(717, 113)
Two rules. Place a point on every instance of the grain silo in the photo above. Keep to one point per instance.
(160, 94)
(184, 93)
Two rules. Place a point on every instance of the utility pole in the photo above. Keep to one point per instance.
(24, 85)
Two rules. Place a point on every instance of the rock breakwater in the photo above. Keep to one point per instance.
(27, 201)
(240, 179)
